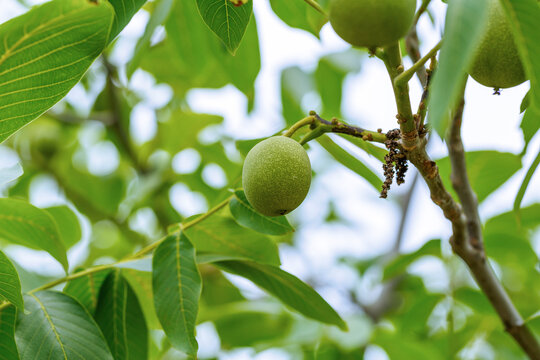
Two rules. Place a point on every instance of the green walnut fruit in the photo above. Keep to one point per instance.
(496, 61)
(371, 23)
(276, 176)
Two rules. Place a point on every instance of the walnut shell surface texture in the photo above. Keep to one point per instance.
(371, 23)
(496, 61)
(276, 175)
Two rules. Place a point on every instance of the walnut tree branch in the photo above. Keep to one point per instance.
(471, 248)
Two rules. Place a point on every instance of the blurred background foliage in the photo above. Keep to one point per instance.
(125, 155)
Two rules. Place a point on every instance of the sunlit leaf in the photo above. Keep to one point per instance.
(68, 224)
(177, 288)
(287, 288)
(45, 52)
(23, 223)
(64, 329)
(247, 216)
(227, 21)
(223, 236)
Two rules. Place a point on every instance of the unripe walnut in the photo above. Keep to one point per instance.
(276, 176)
(371, 23)
(496, 61)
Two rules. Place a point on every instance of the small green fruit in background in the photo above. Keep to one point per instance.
(276, 175)
(371, 23)
(496, 61)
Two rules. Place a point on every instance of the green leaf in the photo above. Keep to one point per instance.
(368, 147)
(237, 329)
(299, 15)
(10, 285)
(465, 21)
(86, 289)
(487, 171)
(223, 236)
(22, 223)
(349, 161)
(45, 53)
(137, 330)
(329, 76)
(8, 317)
(247, 216)
(120, 317)
(524, 15)
(399, 264)
(227, 21)
(406, 346)
(64, 329)
(68, 224)
(295, 84)
(159, 15)
(530, 124)
(287, 288)
(525, 102)
(525, 183)
(177, 288)
(123, 12)
(141, 283)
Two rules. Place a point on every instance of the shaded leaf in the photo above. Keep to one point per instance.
(86, 289)
(159, 15)
(465, 21)
(299, 15)
(349, 161)
(120, 317)
(141, 283)
(63, 37)
(247, 216)
(25, 224)
(8, 317)
(68, 224)
(487, 171)
(10, 285)
(227, 21)
(287, 288)
(400, 263)
(177, 288)
(530, 124)
(237, 329)
(295, 84)
(525, 184)
(221, 235)
(373, 150)
(64, 329)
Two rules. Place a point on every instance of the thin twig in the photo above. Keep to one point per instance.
(406, 75)
(138, 255)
